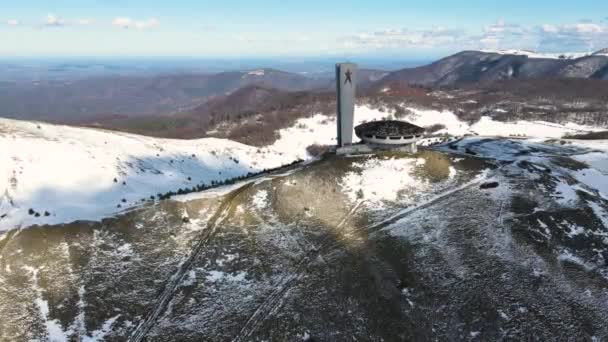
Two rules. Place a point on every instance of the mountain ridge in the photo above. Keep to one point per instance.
(471, 66)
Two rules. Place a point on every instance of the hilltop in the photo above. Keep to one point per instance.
(477, 238)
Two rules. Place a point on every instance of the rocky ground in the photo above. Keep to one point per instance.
(477, 239)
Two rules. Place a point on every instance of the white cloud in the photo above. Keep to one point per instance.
(576, 37)
(502, 35)
(585, 28)
(128, 23)
(549, 28)
(13, 22)
(396, 38)
(122, 22)
(152, 22)
(498, 27)
(581, 36)
(501, 27)
(85, 21)
(491, 43)
(283, 40)
(53, 20)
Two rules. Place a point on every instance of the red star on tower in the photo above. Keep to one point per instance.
(348, 75)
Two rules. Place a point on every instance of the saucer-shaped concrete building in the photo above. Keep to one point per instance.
(376, 135)
(389, 132)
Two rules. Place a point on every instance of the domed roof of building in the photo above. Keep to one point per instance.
(388, 129)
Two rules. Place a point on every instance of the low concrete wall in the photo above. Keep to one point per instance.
(371, 148)
(378, 141)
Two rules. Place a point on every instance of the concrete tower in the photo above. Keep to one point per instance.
(346, 77)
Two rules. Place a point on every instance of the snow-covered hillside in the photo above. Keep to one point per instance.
(533, 54)
(486, 126)
(64, 173)
(54, 174)
(321, 130)
(525, 230)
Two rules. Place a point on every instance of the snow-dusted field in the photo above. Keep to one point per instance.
(64, 174)
(55, 174)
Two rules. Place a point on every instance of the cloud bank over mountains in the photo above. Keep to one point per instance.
(583, 36)
(128, 23)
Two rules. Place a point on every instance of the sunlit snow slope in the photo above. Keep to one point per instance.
(54, 174)
(64, 174)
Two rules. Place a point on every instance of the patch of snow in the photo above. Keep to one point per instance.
(537, 272)
(545, 227)
(125, 250)
(259, 72)
(425, 118)
(535, 129)
(222, 190)
(453, 172)
(406, 292)
(216, 276)
(600, 145)
(567, 256)
(567, 194)
(597, 160)
(540, 55)
(573, 229)
(318, 129)
(289, 182)
(54, 331)
(79, 323)
(100, 335)
(191, 279)
(600, 212)
(379, 181)
(486, 126)
(260, 199)
(593, 179)
(226, 258)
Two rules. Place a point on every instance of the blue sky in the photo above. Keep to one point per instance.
(267, 28)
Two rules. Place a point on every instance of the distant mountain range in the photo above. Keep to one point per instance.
(190, 105)
(88, 99)
(62, 101)
(476, 66)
